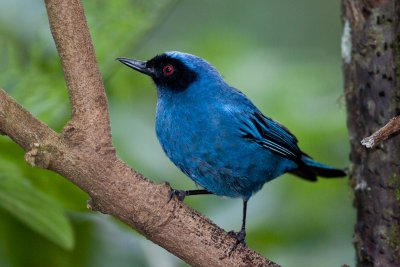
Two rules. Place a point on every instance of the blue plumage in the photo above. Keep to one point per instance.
(216, 135)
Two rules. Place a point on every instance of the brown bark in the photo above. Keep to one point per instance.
(90, 121)
(83, 153)
(372, 75)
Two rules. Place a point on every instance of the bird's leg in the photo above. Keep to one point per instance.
(241, 235)
(181, 194)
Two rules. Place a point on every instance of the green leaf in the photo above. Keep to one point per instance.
(36, 210)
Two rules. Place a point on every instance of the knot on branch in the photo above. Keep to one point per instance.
(38, 156)
(73, 134)
(105, 150)
(95, 206)
(76, 135)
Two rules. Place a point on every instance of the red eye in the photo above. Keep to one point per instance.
(168, 70)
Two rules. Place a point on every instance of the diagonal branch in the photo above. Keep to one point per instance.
(118, 190)
(20, 125)
(83, 154)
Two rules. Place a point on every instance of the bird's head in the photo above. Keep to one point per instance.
(174, 71)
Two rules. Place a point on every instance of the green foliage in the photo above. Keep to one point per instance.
(35, 209)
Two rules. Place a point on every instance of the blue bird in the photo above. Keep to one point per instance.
(215, 135)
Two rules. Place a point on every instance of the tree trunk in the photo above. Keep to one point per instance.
(371, 56)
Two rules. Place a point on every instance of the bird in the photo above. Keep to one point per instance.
(215, 134)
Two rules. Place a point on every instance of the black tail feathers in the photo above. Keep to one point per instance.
(309, 169)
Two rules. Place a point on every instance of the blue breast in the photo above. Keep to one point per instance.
(200, 131)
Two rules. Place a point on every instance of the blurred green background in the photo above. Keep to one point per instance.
(285, 55)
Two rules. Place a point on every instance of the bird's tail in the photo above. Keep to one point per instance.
(309, 169)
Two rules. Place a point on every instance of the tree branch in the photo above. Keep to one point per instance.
(20, 125)
(90, 120)
(383, 133)
(83, 153)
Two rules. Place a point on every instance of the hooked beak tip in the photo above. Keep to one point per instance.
(137, 65)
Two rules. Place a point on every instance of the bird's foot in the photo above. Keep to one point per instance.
(180, 194)
(240, 239)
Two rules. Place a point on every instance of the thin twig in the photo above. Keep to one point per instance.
(383, 133)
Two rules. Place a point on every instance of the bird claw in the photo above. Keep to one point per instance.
(240, 239)
(180, 194)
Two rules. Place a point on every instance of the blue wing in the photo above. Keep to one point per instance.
(270, 135)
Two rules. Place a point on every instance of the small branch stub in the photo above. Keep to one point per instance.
(383, 133)
(31, 155)
(37, 157)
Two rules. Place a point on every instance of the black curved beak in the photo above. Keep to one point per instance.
(137, 65)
